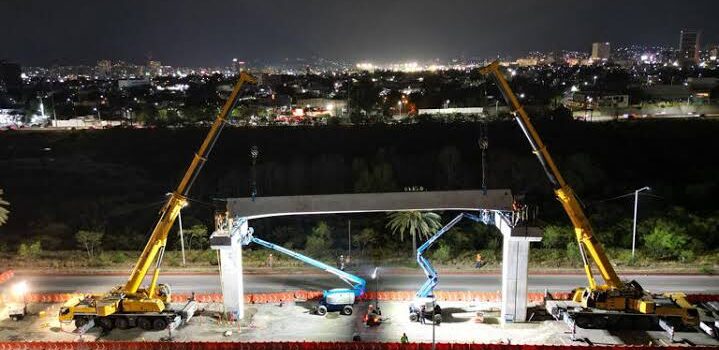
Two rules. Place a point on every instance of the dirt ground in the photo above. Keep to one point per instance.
(293, 322)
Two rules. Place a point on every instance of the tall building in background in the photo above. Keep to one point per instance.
(154, 68)
(10, 78)
(601, 51)
(689, 45)
(103, 68)
(714, 52)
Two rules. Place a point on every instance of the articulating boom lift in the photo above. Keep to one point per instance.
(130, 305)
(338, 299)
(425, 294)
(613, 303)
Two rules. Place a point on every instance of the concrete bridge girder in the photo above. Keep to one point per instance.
(227, 236)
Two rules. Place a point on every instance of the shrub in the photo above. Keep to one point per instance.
(667, 240)
(32, 250)
(319, 241)
(89, 240)
(573, 254)
(118, 257)
(442, 254)
(557, 236)
(103, 259)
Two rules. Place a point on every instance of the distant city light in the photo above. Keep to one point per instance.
(365, 66)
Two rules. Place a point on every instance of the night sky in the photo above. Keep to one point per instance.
(211, 32)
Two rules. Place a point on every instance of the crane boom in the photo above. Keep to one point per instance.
(588, 244)
(154, 249)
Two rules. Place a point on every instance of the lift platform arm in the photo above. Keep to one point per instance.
(588, 244)
(429, 271)
(155, 247)
(357, 283)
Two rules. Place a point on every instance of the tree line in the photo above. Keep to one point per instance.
(113, 181)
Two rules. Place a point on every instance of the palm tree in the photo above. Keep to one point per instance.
(415, 222)
(4, 212)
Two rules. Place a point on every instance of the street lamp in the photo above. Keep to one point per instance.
(399, 103)
(434, 323)
(634, 228)
(254, 153)
(99, 117)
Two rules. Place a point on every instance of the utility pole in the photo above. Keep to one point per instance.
(634, 226)
(349, 239)
(54, 115)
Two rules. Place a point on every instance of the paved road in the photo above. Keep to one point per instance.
(274, 283)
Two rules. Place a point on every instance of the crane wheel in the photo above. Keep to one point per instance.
(159, 324)
(80, 322)
(347, 310)
(322, 310)
(437, 319)
(414, 317)
(106, 323)
(145, 323)
(122, 323)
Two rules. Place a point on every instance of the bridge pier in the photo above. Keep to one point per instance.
(515, 265)
(229, 247)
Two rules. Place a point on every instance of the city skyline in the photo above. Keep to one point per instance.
(185, 33)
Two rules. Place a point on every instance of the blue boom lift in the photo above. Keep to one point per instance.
(338, 299)
(425, 294)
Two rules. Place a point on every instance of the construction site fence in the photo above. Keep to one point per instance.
(6, 275)
(122, 345)
(267, 298)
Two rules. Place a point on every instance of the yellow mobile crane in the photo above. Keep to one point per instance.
(131, 305)
(613, 303)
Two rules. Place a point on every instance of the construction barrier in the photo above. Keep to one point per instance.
(702, 298)
(6, 275)
(134, 345)
(265, 298)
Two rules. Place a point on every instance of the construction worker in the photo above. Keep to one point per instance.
(478, 263)
(341, 262)
(404, 339)
(422, 314)
(270, 260)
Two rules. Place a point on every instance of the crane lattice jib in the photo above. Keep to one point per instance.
(156, 244)
(357, 283)
(588, 245)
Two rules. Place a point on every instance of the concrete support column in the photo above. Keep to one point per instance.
(515, 259)
(515, 265)
(228, 243)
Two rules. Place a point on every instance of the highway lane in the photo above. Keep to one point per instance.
(208, 283)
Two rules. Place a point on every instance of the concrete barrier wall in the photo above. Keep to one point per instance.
(135, 345)
(6, 275)
(265, 298)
